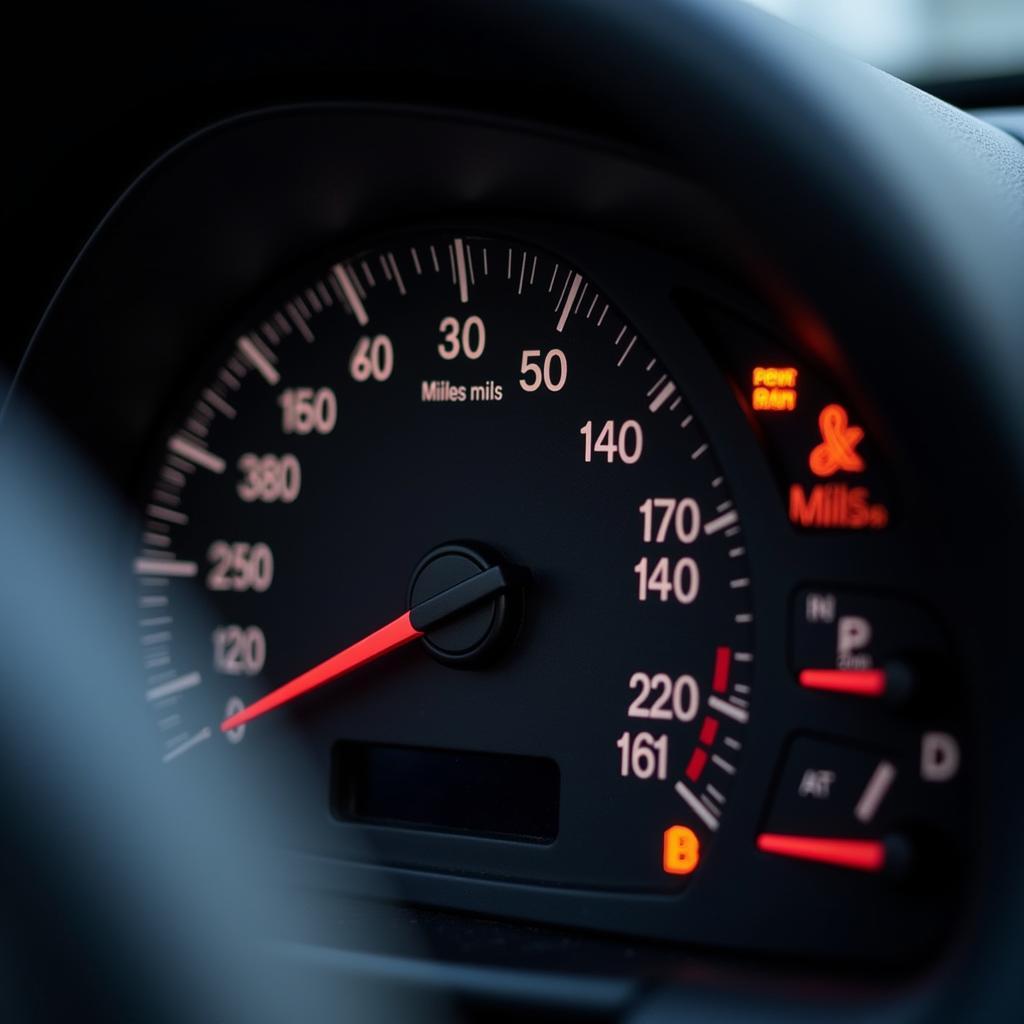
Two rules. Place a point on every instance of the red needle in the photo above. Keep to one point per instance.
(408, 627)
(387, 638)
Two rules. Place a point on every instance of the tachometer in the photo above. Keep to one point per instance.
(465, 538)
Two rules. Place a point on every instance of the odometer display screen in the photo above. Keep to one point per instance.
(457, 393)
(502, 795)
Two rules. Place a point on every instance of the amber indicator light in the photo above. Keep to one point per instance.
(774, 388)
(680, 851)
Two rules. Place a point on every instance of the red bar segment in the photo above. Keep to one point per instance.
(708, 731)
(858, 854)
(698, 759)
(720, 680)
(864, 682)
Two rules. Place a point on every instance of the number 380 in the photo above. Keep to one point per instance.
(269, 478)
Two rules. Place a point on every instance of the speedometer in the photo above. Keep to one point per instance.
(464, 540)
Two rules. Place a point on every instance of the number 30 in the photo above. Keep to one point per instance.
(468, 338)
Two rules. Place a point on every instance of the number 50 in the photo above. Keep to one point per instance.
(551, 373)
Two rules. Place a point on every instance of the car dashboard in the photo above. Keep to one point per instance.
(576, 522)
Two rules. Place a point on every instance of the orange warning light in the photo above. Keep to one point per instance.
(774, 388)
(681, 850)
(838, 445)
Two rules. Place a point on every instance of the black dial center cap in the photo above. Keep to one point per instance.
(476, 635)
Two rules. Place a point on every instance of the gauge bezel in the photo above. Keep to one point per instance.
(482, 174)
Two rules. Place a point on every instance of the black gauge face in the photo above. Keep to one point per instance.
(464, 438)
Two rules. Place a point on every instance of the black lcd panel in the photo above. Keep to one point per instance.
(502, 795)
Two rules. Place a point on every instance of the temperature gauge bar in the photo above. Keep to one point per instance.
(853, 805)
(855, 854)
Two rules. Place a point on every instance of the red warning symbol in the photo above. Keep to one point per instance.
(839, 440)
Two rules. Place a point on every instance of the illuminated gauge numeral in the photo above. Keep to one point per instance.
(551, 373)
(681, 516)
(643, 755)
(308, 410)
(269, 478)
(624, 441)
(239, 650)
(467, 337)
(659, 576)
(233, 707)
(239, 566)
(664, 699)
(372, 359)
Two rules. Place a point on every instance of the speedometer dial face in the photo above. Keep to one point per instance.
(444, 495)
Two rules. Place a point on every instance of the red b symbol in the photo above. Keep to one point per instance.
(838, 444)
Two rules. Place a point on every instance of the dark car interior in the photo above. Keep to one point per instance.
(513, 509)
